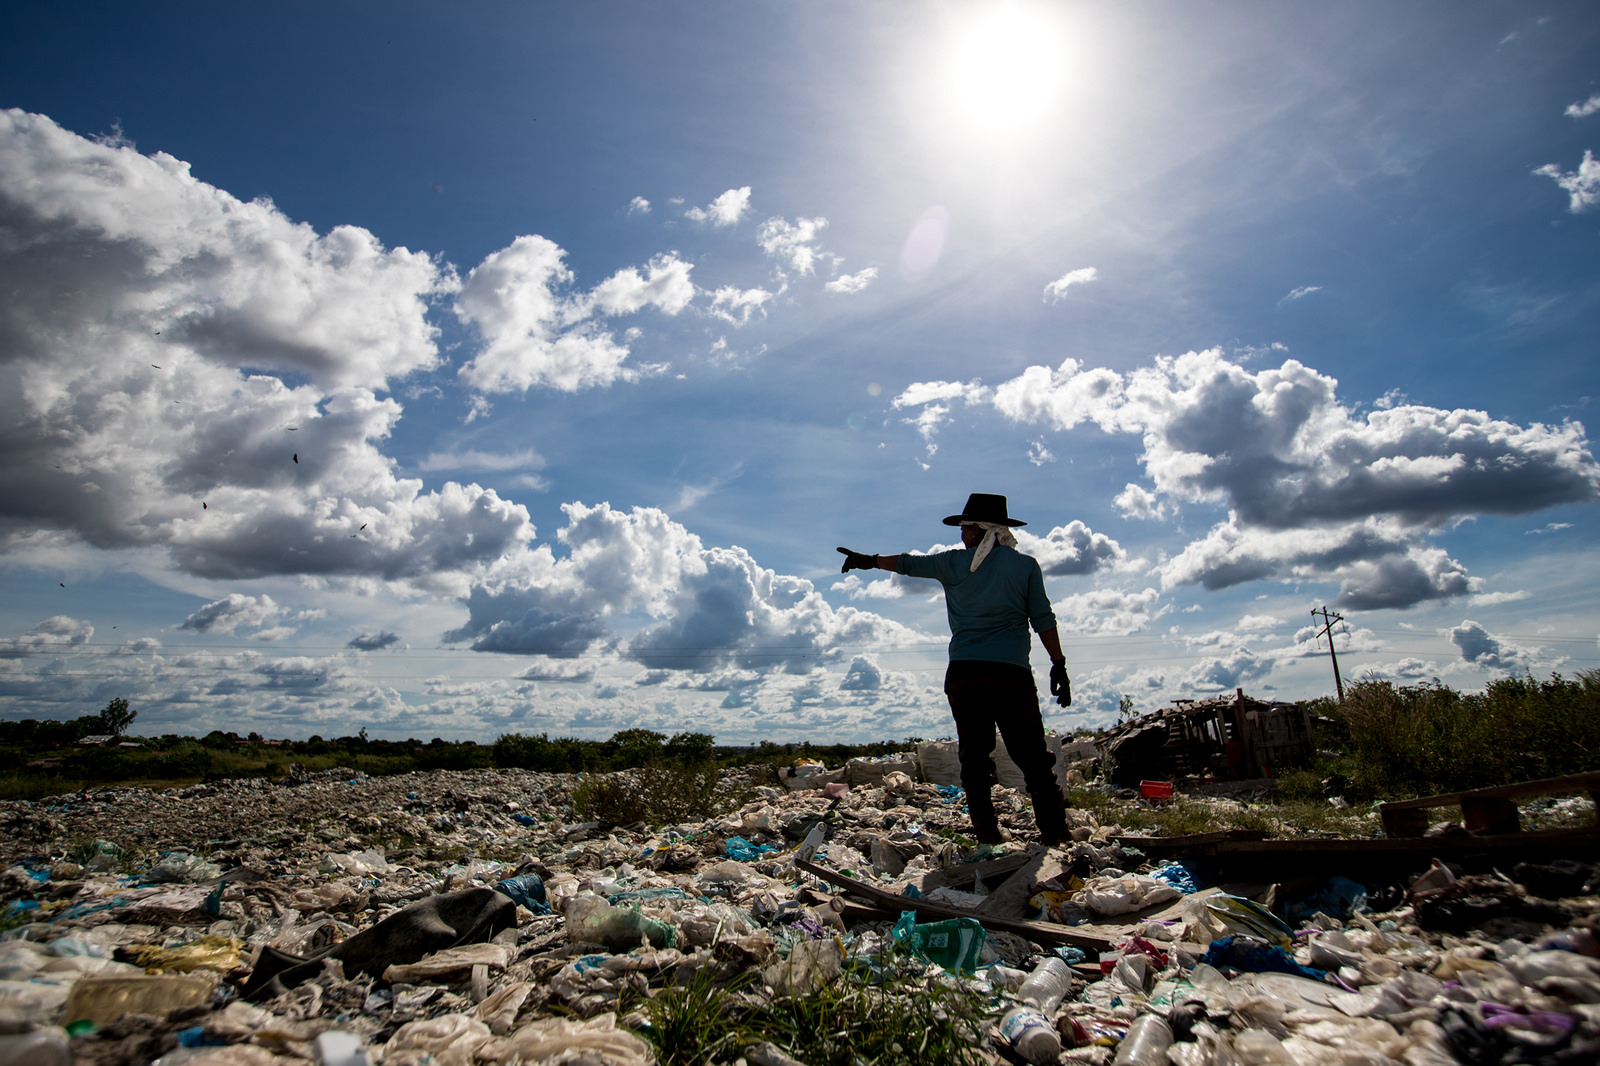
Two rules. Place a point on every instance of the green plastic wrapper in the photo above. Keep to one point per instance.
(955, 943)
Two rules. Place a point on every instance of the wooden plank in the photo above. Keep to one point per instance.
(1044, 932)
(1586, 782)
(1010, 900)
(967, 873)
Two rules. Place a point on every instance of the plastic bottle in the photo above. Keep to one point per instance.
(1031, 1035)
(1146, 1043)
(808, 846)
(1047, 985)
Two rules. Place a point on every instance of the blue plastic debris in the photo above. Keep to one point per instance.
(1247, 954)
(1070, 955)
(525, 819)
(1339, 897)
(1179, 877)
(741, 849)
(951, 793)
(525, 890)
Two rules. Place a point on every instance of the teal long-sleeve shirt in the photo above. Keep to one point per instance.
(991, 608)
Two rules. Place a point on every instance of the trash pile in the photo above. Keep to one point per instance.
(462, 918)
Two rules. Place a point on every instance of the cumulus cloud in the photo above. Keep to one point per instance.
(638, 206)
(1478, 647)
(1107, 612)
(694, 609)
(145, 407)
(733, 304)
(864, 675)
(55, 633)
(374, 641)
(1230, 671)
(725, 210)
(792, 243)
(535, 334)
(1137, 502)
(1313, 489)
(1056, 291)
(852, 283)
(142, 246)
(231, 612)
(1071, 549)
(1584, 108)
(1582, 185)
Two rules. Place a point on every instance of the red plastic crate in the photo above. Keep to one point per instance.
(1155, 790)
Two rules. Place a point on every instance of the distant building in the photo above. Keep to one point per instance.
(99, 740)
(1226, 738)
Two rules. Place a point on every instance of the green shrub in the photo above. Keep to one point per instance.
(656, 795)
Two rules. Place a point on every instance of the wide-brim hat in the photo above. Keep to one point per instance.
(984, 507)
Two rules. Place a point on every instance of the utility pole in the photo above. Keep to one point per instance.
(1328, 620)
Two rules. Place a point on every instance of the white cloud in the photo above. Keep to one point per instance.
(1056, 291)
(1582, 185)
(145, 411)
(1584, 108)
(149, 251)
(1039, 454)
(1301, 293)
(638, 206)
(666, 286)
(1107, 612)
(736, 305)
(704, 609)
(472, 459)
(1314, 490)
(852, 283)
(231, 612)
(1137, 502)
(535, 336)
(725, 210)
(1071, 549)
(1478, 647)
(55, 633)
(792, 243)
(1548, 527)
(374, 641)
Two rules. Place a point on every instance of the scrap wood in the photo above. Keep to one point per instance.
(967, 873)
(1043, 932)
(1010, 899)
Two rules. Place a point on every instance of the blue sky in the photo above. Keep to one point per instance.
(456, 371)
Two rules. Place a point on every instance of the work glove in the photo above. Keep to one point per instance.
(857, 561)
(1060, 684)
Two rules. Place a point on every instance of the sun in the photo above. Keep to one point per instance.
(1006, 66)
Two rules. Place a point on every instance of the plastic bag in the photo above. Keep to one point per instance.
(559, 1039)
(590, 919)
(956, 943)
(220, 954)
(1252, 919)
(183, 868)
(448, 1040)
(525, 890)
(1126, 894)
(810, 965)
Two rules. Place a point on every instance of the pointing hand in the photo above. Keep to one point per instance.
(857, 561)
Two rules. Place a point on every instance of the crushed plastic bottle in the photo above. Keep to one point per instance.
(1146, 1044)
(1031, 1035)
(1047, 985)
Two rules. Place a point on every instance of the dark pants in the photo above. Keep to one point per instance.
(987, 695)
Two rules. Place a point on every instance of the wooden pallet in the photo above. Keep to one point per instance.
(1484, 811)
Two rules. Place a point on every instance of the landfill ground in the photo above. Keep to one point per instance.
(470, 917)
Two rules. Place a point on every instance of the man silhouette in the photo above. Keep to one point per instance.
(993, 595)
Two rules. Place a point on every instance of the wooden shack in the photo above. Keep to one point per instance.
(1230, 738)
